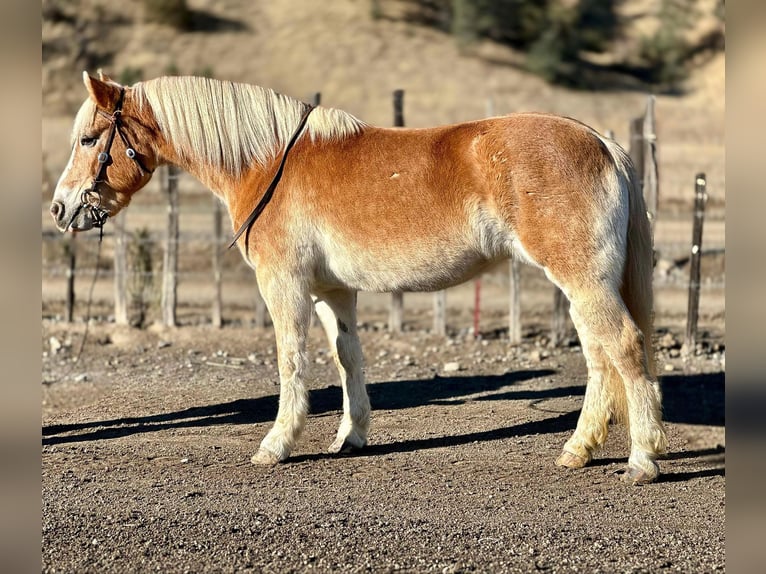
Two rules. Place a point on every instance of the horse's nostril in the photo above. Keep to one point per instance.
(57, 209)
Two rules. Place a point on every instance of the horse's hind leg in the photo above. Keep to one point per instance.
(597, 407)
(337, 311)
(606, 319)
(289, 305)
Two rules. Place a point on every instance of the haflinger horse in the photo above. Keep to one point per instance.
(353, 207)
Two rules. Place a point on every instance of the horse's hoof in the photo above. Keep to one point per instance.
(570, 460)
(345, 445)
(264, 458)
(639, 476)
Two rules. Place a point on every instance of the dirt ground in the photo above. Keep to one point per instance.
(146, 442)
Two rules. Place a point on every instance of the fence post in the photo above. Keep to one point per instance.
(514, 316)
(170, 260)
(476, 307)
(70, 250)
(560, 313)
(490, 112)
(120, 271)
(650, 168)
(316, 100)
(440, 312)
(636, 148)
(217, 310)
(396, 311)
(700, 199)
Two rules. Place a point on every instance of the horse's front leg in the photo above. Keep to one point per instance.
(289, 305)
(337, 311)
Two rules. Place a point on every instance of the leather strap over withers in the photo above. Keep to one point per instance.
(258, 209)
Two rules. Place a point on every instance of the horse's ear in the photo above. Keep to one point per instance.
(103, 77)
(104, 94)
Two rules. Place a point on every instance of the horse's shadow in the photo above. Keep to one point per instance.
(694, 399)
(697, 399)
(388, 395)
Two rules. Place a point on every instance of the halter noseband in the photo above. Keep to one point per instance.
(90, 198)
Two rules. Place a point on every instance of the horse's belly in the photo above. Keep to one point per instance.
(410, 268)
(442, 250)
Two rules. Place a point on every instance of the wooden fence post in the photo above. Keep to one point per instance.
(560, 314)
(476, 308)
(650, 170)
(260, 309)
(396, 311)
(120, 271)
(514, 316)
(315, 100)
(636, 147)
(70, 250)
(700, 199)
(440, 313)
(217, 310)
(170, 260)
(490, 112)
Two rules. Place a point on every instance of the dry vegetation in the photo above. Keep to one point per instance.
(301, 47)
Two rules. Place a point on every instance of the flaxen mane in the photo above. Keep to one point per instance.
(224, 121)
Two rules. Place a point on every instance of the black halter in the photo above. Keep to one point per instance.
(90, 198)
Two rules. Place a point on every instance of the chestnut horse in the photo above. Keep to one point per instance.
(363, 208)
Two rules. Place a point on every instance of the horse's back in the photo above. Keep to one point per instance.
(428, 208)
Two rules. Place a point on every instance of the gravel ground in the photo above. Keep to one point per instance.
(146, 442)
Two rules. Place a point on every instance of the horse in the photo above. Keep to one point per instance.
(353, 207)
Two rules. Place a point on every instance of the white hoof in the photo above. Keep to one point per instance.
(264, 458)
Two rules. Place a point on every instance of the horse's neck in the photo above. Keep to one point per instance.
(214, 178)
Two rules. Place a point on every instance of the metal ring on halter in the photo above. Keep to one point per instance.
(130, 152)
(87, 195)
(103, 157)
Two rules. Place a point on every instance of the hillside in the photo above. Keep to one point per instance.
(300, 47)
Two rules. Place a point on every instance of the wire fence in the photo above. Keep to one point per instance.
(169, 251)
(466, 309)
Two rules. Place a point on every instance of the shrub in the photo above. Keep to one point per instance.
(173, 13)
(666, 50)
(141, 288)
(129, 76)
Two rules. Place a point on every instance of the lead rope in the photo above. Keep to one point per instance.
(76, 358)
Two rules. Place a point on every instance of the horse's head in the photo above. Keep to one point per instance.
(113, 156)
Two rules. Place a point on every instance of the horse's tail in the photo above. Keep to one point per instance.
(636, 289)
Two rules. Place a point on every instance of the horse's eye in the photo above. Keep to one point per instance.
(88, 141)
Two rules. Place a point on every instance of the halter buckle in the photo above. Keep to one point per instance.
(103, 157)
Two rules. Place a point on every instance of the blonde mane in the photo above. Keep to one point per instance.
(228, 125)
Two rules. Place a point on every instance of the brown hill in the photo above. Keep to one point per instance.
(299, 47)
